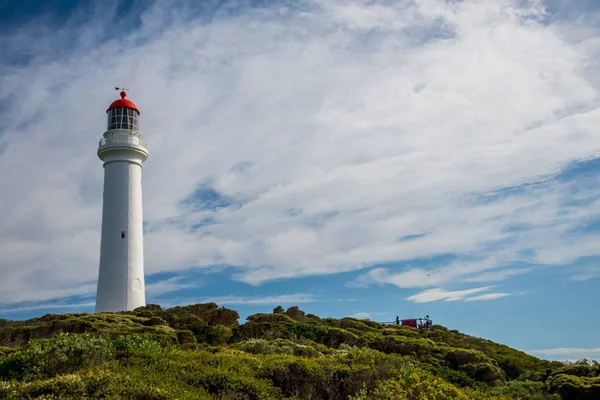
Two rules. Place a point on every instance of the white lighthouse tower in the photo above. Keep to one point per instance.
(123, 150)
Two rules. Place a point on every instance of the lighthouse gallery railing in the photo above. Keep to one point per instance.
(122, 138)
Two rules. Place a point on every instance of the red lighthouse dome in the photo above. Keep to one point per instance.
(123, 103)
(123, 114)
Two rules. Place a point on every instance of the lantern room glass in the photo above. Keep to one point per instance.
(123, 118)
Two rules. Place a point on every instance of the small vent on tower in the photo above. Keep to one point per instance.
(122, 234)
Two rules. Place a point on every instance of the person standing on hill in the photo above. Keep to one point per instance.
(397, 320)
(427, 321)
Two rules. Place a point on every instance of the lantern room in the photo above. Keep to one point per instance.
(123, 114)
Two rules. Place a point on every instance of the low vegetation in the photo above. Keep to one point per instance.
(201, 352)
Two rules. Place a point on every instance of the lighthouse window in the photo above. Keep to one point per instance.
(122, 234)
(122, 118)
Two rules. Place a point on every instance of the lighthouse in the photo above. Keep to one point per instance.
(123, 150)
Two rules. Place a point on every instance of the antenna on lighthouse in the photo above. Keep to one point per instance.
(116, 88)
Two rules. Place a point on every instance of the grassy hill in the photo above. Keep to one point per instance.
(201, 352)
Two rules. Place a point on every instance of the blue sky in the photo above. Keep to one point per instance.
(354, 158)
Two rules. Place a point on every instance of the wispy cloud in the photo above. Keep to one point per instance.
(495, 276)
(365, 315)
(586, 272)
(438, 294)
(427, 128)
(577, 352)
(483, 270)
(361, 315)
(171, 285)
(285, 299)
(347, 300)
(488, 296)
(46, 307)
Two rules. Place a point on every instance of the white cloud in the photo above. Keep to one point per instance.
(483, 270)
(361, 315)
(494, 276)
(347, 300)
(488, 296)
(46, 307)
(586, 272)
(438, 294)
(285, 299)
(170, 285)
(561, 351)
(372, 122)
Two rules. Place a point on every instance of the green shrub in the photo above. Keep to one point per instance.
(163, 336)
(313, 318)
(221, 316)
(186, 337)
(272, 356)
(524, 390)
(456, 377)
(95, 384)
(418, 347)
(354, 323)
(155, 321)
(62, 354)
(335, 337)
(383, 391)
(127, 346)
(278, 346)
(310, 331)
(149, 311)
(296, 377)
(273, 318)
(201, 308)
(580, 370)
(261, 346)
(296, 314)
(572, 387)
(208, 313)
(6, 350)
(235, 386)
(214, 335)
(417, 388)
